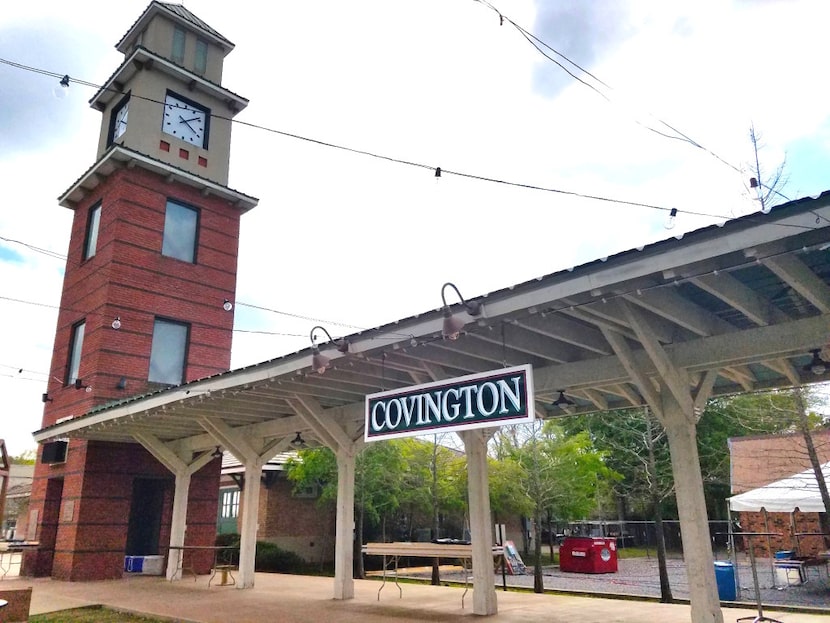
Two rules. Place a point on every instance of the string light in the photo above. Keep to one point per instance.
(62, 88)
(363, 152)
(671, 221)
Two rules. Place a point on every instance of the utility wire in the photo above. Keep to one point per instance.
(394, 159)
(238, 303)
(538, 43)
(47, 252)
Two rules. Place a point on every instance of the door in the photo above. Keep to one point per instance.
(145, 517)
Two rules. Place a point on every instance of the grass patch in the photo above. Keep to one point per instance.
(92, 614)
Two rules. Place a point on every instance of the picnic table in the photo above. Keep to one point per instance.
(392, 553)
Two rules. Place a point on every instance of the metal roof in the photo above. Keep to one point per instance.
(749, 298)
(118, 156)
(141, 57)
(178, 13)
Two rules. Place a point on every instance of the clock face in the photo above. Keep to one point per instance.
(185, 120)
(120, 123)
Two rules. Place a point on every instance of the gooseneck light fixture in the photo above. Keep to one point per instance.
(454, 324)
(79, 384)
(116, 323)
(298, 442)
(817, 365)
(320, 362)
(217, 454)
(227, 305)
(562, 401)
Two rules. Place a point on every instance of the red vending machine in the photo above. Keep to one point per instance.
(588, 555)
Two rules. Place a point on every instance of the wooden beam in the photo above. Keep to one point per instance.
(632, 367)
(734, 293)
(666, 302)
(675, 378)
(803, 280)
(325, 427)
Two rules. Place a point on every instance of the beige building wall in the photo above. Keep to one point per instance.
(144, 128)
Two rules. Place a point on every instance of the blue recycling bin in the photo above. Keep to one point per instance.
(725, 578)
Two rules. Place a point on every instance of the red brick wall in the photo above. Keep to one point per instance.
(781, 523)
(84, 533)
(298, 524)
(20, 600)
(90, 538)
(129, 277)
(758, 461)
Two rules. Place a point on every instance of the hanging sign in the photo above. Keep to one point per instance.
(475, 401)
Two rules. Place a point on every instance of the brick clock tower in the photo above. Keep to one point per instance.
(147, 295)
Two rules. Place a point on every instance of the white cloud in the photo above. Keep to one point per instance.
(353, 239)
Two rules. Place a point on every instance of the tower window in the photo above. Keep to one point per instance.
(76, 345)
(92, 224)
(168, 353)
(200, 64)
(181, 225)
(178, 45)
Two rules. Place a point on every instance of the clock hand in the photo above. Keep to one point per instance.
(185, 121)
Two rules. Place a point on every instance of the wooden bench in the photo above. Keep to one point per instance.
(19, 601)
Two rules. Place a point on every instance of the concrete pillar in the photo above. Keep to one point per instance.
(178, 522)
(484, 587)
(344, 536)
(250, 519)
(681, 431)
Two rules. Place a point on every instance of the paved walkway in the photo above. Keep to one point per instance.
(296, 599)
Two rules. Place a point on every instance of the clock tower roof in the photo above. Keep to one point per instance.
(178, 14)
(118, 157)
(143, 58)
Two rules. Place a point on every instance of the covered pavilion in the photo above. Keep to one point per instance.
(726, 309)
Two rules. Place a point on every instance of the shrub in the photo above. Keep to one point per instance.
(230, 539)
(269, 557)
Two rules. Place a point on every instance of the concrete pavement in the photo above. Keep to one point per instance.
(297, 598)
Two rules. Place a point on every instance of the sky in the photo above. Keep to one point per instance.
(349, 241)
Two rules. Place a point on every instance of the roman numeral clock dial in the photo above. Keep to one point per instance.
(185, 120)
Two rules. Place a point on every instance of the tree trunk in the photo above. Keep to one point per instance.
(538, 580)
(804, 425)
(551, 538)
(359, 569)
(665, 587)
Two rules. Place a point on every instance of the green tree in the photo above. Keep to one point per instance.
(379, 477)
(24, 458)
(400, 484)
(562, 476)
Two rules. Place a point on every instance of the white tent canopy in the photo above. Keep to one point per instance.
(785, 496)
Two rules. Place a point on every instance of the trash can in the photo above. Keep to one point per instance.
(588, 555)
(725, 578)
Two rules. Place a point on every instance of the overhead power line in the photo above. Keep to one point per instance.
(439, 171)
(541, 46)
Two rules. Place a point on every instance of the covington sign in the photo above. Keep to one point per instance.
(476, 401)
